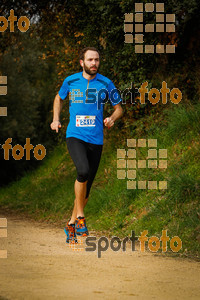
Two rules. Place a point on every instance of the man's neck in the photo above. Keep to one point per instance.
(88, 76)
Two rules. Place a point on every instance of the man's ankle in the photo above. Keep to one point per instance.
(71, 223)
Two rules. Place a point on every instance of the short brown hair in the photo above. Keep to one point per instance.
(84, 50)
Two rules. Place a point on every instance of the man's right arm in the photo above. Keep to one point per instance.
(57, 107)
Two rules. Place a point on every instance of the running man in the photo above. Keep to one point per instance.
(84, 136)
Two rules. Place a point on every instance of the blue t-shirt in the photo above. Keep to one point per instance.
(86, 104)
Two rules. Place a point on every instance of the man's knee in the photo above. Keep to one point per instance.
(83, 174)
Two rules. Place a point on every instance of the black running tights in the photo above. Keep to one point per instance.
(86, 157)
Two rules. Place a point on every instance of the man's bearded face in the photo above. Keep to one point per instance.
(91, 62)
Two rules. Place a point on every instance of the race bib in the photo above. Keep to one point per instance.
(85, 121)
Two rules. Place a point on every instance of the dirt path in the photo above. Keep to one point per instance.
(40, 265)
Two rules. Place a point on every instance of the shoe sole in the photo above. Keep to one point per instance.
(82, 233)
(71, 242)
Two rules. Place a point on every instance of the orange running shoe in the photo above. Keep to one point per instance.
(80, 227)
(71, 234)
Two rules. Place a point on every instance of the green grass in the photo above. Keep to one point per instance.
(47, 193)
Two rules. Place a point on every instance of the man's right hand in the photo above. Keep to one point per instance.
(55, 125)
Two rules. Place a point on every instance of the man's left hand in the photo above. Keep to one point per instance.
(108, 122)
